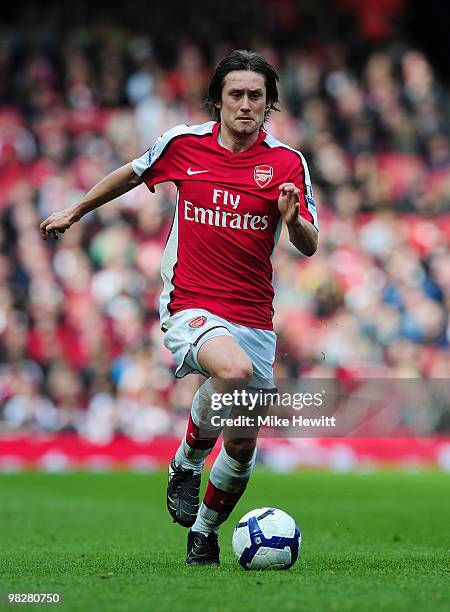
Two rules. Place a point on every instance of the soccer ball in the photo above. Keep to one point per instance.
(266, 538)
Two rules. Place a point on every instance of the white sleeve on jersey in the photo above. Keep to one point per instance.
(141, 164)
(309, 195)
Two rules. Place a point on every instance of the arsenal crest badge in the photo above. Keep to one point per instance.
(263, 175)
(197, 322)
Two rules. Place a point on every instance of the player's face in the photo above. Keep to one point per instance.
(244, 102)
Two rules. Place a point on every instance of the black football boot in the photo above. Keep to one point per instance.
(183, 491)
(202, 550)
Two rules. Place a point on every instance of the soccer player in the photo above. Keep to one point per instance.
(236, 185)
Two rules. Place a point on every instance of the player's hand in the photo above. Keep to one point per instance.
(289, 202)
(59, 222)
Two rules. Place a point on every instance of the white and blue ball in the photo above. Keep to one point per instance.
(266, 538)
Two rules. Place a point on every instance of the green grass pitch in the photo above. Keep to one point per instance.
(375, 541)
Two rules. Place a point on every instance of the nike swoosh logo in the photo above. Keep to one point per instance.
(191, 172)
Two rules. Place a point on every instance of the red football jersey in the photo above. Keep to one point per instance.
(226, 222)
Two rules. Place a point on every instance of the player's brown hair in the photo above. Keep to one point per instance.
(241, 59)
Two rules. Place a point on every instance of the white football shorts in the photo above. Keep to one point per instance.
(188, 330)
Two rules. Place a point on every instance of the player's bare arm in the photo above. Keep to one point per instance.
(303, 235)
(110, 187)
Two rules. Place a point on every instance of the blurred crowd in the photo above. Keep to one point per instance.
(80, 343)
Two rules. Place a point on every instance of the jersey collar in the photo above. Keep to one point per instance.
(216, 131)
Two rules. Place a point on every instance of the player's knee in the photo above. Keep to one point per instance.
(235, 369)
(240, 449)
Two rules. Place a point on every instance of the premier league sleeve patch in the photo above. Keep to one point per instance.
(310, 196)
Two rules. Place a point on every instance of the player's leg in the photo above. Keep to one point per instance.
(230, 369)
(227, 482)
(227, 363)
(185, 468)
(229, 366)
(232, 469)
